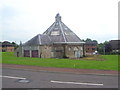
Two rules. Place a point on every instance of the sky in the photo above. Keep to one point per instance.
(21, 20)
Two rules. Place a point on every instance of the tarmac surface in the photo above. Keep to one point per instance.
(66, 70)
(21, 76)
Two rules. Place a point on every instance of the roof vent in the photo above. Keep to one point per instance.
(58, 17)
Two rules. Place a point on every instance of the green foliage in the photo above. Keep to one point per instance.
(89, 40)
(15, 45)
(104, 48)
(100, 48)
(110, 62)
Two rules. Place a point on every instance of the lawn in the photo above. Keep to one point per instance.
(110, 62)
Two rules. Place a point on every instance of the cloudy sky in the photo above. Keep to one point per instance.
(21, 20)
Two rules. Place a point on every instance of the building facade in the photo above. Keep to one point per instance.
(115, 45)
(90, 48)
(6, 47)
(58, 41)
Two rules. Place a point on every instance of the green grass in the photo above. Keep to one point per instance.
(110, 62)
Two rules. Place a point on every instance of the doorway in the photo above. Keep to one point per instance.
(77, 54)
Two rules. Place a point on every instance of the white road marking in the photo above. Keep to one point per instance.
(12, 77)
(76, 83)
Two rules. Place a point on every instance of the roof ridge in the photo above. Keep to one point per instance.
(58, 32)
(39, 38)
(62, 32)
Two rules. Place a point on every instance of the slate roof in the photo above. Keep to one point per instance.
(39, 39)
(115, 44)
(57, 33)
(6, 44)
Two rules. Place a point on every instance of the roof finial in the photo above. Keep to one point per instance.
(20, 43)
(58, 17)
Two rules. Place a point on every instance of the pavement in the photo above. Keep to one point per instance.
(65, 70)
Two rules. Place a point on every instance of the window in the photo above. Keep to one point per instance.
(93, 48)
(69, 33)
(55, 33)
(57, 23)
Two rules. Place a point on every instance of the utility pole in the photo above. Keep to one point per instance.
(104, 50)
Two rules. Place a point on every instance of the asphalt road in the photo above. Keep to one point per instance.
(16, 78)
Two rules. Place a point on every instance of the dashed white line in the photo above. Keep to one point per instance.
(12, 77)
(76, 83)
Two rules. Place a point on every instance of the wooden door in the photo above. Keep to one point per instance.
(26, 53)
(34, 53)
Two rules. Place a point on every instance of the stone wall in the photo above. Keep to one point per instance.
(45, 51)
(74, 51)
(52, 51)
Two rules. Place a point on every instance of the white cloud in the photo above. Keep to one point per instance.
(95, 19)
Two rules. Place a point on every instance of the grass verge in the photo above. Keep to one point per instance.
(110, 62)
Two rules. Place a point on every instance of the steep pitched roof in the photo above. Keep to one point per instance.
(60, 33)
(57, 33)
(39, 40)
(6, 43)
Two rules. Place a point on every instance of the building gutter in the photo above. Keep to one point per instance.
(69, 43)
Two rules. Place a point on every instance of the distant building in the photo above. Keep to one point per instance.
(90, 48)
(115, 45)
(6, 47)
(58, 41)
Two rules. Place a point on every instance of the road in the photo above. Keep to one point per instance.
(18, 78)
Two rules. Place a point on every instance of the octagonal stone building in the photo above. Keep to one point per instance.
(58, 41)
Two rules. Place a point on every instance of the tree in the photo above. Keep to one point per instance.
(100, 48)
(108, 47)
(95, 41)
(15, 45)
(88, 39)
(104, 48)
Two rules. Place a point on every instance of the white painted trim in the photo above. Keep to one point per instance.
(39, 39)
(62, 32)
(71, 42)
(51, 27)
